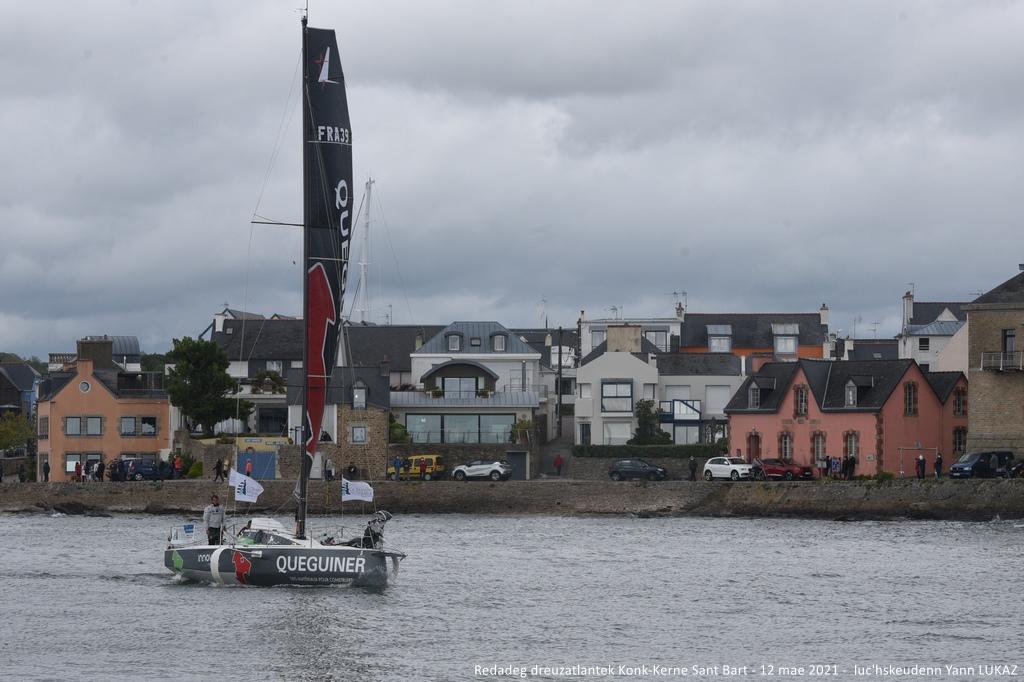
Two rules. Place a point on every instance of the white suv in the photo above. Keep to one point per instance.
(727, 467)
(493, 469)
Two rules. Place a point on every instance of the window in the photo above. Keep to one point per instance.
(786, 446)
(565, 387)
(851, 443)
(658, 338)
(924, 343)
(959, 441)
(84, 387)
(960, 402)
(93, 426)
(851, 394)
(148, 426)
(70, 460)
(785, 345)
(617, 396)
(358, 434)
(459, 387)
(461, 428)
(818, 445)
(617, 433)
(498, 343)
(801, 401)
(720, 344)
(127, 426)
(475, 342)
(424, 428)
(72, 426)
(597, 337)
(358, 398)
(43, 430)
(910, 399)
(754, 398)
(649, 391)
(496, 428)
(454, 342)
(925, 367)
(585, 391)
(1009, 340)
(274, 366)
(585, 433)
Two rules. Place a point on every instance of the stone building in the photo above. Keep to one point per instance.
(996, 403)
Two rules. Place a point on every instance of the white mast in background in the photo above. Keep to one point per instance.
(364, 281)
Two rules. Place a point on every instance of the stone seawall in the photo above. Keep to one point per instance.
(956, 500)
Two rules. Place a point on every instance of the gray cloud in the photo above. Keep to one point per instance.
(760, 156)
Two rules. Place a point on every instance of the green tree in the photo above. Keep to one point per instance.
(15, 430)
(397, 433)
(268, 381)
(153, 362)
(648, 429)
(199, 384)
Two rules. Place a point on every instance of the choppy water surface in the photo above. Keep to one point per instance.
(88, 599)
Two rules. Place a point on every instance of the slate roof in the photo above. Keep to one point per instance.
(752, 330)
(868, 349)
(943, 383)
(936, 328)
(370, 345)
(53, 383)
(130, 385)
(1010, 291)
(925, 312)
(646, 348)
(264, 339)
(875, 379)
(21, 375)
(241, 314)
(698, 364)
(482, 330)
(378, 388)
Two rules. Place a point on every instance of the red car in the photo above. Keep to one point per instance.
(776, 468)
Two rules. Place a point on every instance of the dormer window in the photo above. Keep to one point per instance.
(454, 342)
(597, 337)
(754, 397)
(474, 342)
(719, 338)
(785, 345)
(851, 394)
(498, 343)
(359, 397)
(419, 341)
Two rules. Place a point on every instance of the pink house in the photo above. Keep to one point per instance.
(885, 412)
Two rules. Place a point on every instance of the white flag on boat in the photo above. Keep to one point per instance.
(246, 489)
(356, 490)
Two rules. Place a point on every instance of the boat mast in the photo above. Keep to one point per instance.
(307, 132)
(364, 282)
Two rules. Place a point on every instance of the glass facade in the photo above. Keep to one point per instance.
(460, 428)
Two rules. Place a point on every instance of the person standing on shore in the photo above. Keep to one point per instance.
(693, 468)
(218, 470)
(22, 474)
(213, 517)
(423, 468)
(920, 466)
(558, 462)
(100, 466)
(248, 465)
(177, 466)
(398, 467)
(938, 465)
(46, 472)
(78, 471)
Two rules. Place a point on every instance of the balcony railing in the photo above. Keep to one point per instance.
(541, 391)
(1003, 362)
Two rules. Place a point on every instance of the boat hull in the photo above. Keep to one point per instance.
(270, 565)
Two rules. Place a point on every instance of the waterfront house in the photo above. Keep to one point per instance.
(996, 358)
(932, 334)
(19, 387)
(96, 410)
(693, 390)
(885, 412)
(757, 336)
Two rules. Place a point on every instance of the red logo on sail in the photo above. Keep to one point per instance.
(242, 567)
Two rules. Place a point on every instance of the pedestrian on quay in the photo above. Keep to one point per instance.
(853, 466)
(22, 474)
(100, 466)
(693, 468)
(218, 470)
(920, 466)
(1, 472)
(351, 471)
(398, 467)
(938, 465)
(178, 464)
(835, 467)
(248, 464)
(558, 463)
(329, 469)
(78, 472)
(423, 468)
(46, 472)
(213, 517)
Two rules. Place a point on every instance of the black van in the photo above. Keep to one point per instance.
(987, 464)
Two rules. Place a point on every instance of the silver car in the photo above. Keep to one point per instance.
(496, 470)
(734, 468)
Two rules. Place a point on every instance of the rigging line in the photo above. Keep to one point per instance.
(398, 268)
(286, 117)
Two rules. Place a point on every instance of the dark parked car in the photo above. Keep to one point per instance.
(1016, 470)
(987, 464)
(636, 468)
(778, 469)
(143, 469)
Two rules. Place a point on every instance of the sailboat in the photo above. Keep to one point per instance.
(263, 552)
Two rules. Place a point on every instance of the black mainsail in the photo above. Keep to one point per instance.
(327, 200)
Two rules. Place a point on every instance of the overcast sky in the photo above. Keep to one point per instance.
(759, 156)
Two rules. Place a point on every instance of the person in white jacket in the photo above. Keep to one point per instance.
(213, 517)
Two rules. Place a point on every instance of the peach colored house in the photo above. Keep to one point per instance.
(882, 411)
(97, 411)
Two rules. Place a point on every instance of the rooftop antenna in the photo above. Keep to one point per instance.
(857, 320)
(874, 329)
(913, 289)
(616, 311)
(678, 297)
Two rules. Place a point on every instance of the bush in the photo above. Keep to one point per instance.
(195, 471)
(698, 450)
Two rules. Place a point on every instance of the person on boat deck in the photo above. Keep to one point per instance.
(213, 517)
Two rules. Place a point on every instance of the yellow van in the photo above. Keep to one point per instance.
(412, 468)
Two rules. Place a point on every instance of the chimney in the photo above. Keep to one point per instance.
(823, 314)
(218, 323)
(385, 367)
(547, 340)
(99, 350)
(908, 309)
(623, 338)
